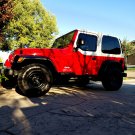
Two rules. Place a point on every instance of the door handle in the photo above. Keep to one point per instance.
(93, 58)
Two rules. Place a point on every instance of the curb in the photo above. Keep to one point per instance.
(129, 80)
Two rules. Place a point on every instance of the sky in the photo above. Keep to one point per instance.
(111, 17)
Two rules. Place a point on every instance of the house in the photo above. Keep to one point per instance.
(131, 58)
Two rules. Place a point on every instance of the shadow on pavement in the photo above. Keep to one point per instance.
(70, 110)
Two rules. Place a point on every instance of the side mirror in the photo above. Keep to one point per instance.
(80, 42)
(76, 49)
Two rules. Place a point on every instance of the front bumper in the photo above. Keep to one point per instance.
(8, 72)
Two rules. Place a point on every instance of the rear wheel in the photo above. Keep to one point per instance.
(34, 80)
(112, 79)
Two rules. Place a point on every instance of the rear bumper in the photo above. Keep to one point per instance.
(124, 74)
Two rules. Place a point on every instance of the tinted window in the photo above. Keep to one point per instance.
(110, 45)
(90, 42)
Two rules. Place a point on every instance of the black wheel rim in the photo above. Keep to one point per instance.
(36, 79)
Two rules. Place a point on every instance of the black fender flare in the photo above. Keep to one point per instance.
(21, 61)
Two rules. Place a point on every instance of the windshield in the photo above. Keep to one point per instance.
(63, 41)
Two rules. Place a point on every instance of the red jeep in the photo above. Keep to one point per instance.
(78, 54)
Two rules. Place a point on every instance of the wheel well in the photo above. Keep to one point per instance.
(45, 62)
(106, 65)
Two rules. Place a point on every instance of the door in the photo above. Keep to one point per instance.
(85, 54)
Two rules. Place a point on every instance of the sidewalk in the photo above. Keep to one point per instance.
(131, 74)
(130, 77)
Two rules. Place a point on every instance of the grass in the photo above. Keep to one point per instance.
(131, 69)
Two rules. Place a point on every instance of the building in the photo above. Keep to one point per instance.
(131, 58)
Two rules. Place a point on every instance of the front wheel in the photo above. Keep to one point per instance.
(112, 79)
(34, 80)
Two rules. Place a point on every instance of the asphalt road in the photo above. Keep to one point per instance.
(70, 110)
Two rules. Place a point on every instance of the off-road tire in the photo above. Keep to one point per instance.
(112, 79)
(34, 80)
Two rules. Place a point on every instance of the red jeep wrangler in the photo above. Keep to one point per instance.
(78, 54)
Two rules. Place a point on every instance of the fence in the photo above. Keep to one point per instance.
(131, 59)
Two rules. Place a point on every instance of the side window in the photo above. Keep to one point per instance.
(110, 45)
(89, 42)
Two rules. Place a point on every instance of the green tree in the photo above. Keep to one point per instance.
(5, 15)
(128, 47)
(31, 26)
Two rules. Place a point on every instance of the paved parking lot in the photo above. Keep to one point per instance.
(70, 110)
